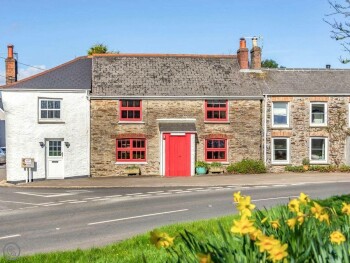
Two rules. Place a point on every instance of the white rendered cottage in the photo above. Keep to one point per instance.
(48, 119)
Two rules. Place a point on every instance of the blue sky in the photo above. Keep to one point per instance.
(48, 33)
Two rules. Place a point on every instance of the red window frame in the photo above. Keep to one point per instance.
(215, 151)
(131, 150)
(128, 107)
(215, 108)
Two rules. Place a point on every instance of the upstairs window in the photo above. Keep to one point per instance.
(130, 110)
(131, 150)
(216, 150)
(216, 110)
(49, 109)
(280, 150)
(280, 112)
(318, 115)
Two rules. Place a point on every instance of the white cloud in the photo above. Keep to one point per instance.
(29, 71)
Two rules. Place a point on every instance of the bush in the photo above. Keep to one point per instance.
(202, 164)
(295, 169)
(323, 168)
(216, 164)
(247, 166)
(344, 168)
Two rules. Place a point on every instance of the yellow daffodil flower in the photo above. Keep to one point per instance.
(316, 210)
(292, 222)
(275, 224)
(278, 252)
(346, 209)
(242, 226)
(337, 237)
(303, 198)
(300, 218)
(204, 258)
(237, 196)
(244, 206)
(266, 243)
(324, 217)
(161, 239)
(294, 205)
(254, 235)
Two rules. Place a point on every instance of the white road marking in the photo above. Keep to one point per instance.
(261, 186)
(156, 192)
(28, 207)
(135, 194)
(23, 203)
(65, 201)
(216, 187)
(78, 191)
(11, 236)
(103, 199)
(166, 193)
(77, 202)
(111, 196)
(134, 217)
(185, 192)
(90, 198)
(54, 204)
(279, 185)
(46, 195)
(274, 198)
(5, 210)
(178, 190)
(191, 189)
(203, 190)
(232, 186)
(142, 195)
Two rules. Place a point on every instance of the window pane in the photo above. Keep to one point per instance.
(124, 114)
(50, 114)
(43, 114)
(57, 114)
(124, 103)
(44, 104)
(130, 114)
(222, 114)
(210, 115)
(57, 104)
(280, 113)
(136, 114)
(136, 103)
(50, 104)
(318, 149)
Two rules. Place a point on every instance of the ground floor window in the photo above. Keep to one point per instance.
(280, 150)
(131, 150)
(318, 150)
(216, 150)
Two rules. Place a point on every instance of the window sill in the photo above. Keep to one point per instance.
(280, 164)
(225, 162)
(131, 122)
(319, 163)
(318, 125)
(50, 122)
(281, 128)
(217, 122)
(131, 163)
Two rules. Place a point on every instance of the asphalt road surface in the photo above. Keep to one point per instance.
(41, 220)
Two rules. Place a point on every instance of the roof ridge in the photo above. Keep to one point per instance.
(303, 69)
(163, 55)
(44, 72)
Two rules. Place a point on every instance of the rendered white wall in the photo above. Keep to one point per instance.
(24, 132)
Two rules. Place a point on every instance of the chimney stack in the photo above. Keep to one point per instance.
(11, 66)
(255, 55)
(242, 54)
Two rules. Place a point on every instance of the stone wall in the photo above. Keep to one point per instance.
(243, 131)
(299, 130)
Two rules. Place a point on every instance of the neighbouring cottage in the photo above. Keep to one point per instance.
(101, 114)
(48, 119)
(2, 125)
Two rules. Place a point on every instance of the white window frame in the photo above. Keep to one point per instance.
(49, 119)
(273, 161)
(349, 115)
(273, 119)
(325, 161)
(325, 115)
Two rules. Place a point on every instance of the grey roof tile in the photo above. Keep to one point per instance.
(75, 74)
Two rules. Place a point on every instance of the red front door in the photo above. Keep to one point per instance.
(177, 154)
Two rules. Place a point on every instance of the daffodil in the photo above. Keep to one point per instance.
(300, 218)
(204, 258)
(254, 235)
(294, 205)
(346, 209)
(244, 206)
(275, 224)
(303, 198)
(278, 252)
(292, 222)
(266, 243)
(324, 217)
(242, 226)
(237, 196)
(161, 239)
(316, 210)
(337, 237)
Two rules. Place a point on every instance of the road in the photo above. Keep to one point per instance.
(41, 220)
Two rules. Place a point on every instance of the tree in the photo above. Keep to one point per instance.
(269, 63)
(341, 28)
(100, 48)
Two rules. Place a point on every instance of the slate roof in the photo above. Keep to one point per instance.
(75, 74)
(171, 75)
(307, 81)
(1, 105)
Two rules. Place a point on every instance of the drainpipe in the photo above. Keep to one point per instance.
(265, 129)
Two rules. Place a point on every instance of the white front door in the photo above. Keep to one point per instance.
(54, 159)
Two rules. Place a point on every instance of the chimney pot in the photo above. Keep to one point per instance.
(255, 41)
(242, 54)
(242, 43)
(9, 51)
(255, 55)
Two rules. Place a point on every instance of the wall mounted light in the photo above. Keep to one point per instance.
(41, 144)
(67, 144)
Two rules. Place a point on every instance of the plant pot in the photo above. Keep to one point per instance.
(132, 171)
(201, 170)
(306, 167)
(216, 169)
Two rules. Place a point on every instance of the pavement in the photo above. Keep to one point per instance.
(200, 181)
